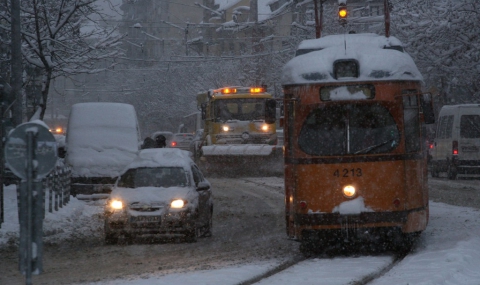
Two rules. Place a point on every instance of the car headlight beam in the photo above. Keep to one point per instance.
(177, 204)
(116, 204)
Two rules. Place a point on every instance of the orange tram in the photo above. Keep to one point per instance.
(354, 138)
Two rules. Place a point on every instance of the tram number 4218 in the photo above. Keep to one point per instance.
(353, 172)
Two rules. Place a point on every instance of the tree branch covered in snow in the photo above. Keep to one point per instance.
(61, 38)
(443, 38)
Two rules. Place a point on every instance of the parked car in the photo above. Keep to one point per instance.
(161, 192)
(195, 143)
(168, 136)
(181, 141)
(102, 139)
(456, 148)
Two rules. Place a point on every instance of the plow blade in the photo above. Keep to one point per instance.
(242, 160)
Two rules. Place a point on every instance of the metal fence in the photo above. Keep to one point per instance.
(57, 187)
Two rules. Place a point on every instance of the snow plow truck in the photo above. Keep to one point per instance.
(239, 132)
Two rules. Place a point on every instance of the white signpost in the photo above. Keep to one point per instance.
(31, 154)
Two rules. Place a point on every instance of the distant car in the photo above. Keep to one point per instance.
(167, 135)
(181, 141)
(195, 143)
(161, 192)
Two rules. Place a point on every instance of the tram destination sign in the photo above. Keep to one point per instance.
(45, 150)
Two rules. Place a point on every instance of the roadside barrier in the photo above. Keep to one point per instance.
(56, 188)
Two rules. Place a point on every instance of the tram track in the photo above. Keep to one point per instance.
(266, 278)
(375, 275)
(281, 267)
(299, 259)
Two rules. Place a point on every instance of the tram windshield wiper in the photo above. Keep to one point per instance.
(370, 148)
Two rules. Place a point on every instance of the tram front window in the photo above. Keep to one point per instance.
(349, 129)
(239, 109)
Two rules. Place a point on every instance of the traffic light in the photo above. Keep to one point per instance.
(342, 13)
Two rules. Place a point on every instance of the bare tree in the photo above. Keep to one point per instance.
(56, 40)
(442, 36)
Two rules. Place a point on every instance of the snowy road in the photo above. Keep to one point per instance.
(249, 240)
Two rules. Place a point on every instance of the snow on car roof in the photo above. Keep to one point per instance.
(378, 57)
(102, 138)
(161, 157)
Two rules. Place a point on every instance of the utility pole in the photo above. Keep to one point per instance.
(186, 40)
(387, 18)
(317, 22)
(318, 18)
(16, 63)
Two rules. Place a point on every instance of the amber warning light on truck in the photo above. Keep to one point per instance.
(229, 90)
(253, 90)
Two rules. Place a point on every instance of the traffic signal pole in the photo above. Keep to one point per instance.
(16, 62)
(387, 18)
(2, 166)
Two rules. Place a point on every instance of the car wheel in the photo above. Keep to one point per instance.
(207, 232)
(129, 238)
(451, 172)
(111, 238)
(435, 172)
(191, 235)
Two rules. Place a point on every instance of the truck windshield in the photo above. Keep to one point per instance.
(349, 129)
(247, 109)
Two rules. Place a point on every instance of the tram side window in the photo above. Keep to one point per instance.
(411, 124)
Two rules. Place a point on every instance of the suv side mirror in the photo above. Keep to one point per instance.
(270, 111)
(202, 185)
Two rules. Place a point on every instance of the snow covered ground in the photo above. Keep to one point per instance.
(447, 253)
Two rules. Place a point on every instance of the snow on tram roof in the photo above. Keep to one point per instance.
(370, 39)
(379, 58)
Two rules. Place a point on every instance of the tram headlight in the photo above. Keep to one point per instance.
(349, 191)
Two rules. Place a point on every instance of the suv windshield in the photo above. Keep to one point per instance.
(240, 109)
(154, 177)
(349, 129)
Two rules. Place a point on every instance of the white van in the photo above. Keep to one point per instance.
(102, 139)
(456, 149)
